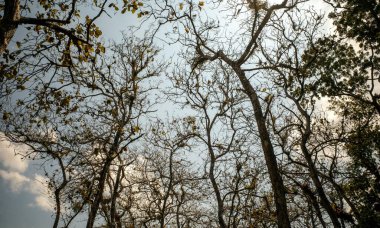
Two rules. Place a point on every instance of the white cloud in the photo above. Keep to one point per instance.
(38, 186)
(14, 167)
(43, 202)
(17, 181)
(8, 156)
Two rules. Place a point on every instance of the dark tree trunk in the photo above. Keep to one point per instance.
(114, 196)
(311, 166)
(57, 194)
(99, 194)
(219, 199)
(270, 157)
(7, 23)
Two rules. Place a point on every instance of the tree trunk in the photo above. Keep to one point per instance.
(99, 194)
(57, 194)
(270, 157)
(312, 169)
(318, 185)
(114, 196)
(219, 199)
(7, 23)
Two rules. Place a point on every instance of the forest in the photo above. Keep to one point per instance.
(200, 113)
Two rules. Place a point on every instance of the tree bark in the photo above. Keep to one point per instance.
(318, 185)
(7, 24)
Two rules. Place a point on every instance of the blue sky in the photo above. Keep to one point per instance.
(15, 212)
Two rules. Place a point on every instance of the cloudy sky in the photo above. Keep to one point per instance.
(23, 195)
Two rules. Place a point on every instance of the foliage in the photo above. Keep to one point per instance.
(248, 140)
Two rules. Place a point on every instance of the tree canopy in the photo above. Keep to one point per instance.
(206, 114)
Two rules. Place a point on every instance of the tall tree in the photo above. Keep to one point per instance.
(88, 126)
(219, 128)
(201, 37)
(350, 78)
(293, 75)
(53, 36)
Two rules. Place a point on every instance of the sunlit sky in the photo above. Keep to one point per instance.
(24, 201)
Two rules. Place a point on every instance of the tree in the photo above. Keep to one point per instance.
(54, 37)
(349, 77)
(289, 69)
(250, 97)
(328, 67)
(207, 48)
(219, 129)
(168, 190)
(56, 19)
(54, 29)
(87, 126)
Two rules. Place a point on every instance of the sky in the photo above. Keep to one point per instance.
(24, 198)
(23, 193)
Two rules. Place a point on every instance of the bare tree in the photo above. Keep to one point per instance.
(88, 126)
(219, 125)
(201, 36)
